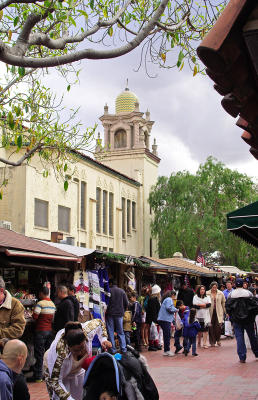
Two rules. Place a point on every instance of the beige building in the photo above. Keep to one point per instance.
(106, 205)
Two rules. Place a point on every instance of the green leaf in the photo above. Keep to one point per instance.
(19, 141)
(1, 195)
(65, 185)
(92, 4)
(15, 21)
(72, 21)
(110, 31)
(10, 120)
(34, 117)
(1, 14)
(68, 88)
(21, 71)
(65, 167)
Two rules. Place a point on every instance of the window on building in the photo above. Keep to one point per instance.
(98, 209)
(123, 217)
(104, 212)
(98, 247)
(120, 139)
(150, 247)
(83, 205)
(132, 136)
(111, 249)
(41, 213)
(83, 244)
(133, 215)
(111, 213)
(104, 248)
(64, 218)
(128, 216)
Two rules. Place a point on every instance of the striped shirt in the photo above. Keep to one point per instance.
(43, 313)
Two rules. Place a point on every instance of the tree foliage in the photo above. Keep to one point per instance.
(33, 121)
(190, 212)
(50, 33)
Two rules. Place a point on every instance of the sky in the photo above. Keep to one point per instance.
(190, 123)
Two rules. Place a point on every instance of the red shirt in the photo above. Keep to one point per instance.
(86, 362)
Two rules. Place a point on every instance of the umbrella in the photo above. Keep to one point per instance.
(244, 223)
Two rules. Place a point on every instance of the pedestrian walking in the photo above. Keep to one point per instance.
(242, 308)
(190, 331)
(182, 310)
(229, 289)
(202, 303)
(65, 309)
(11, 364)
(217, 312)
(43, 315)
(136, 310)
(118, 303)
(165, 318)
(12, 321)
(152, 312)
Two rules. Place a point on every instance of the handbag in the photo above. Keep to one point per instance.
(178, 321)
(153, 332)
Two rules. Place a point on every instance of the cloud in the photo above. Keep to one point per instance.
(190, 123)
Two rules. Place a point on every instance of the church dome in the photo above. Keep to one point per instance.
(125, 102)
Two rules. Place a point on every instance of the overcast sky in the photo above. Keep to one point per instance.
(190, 123)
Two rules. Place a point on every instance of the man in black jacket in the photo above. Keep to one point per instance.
(71, 296)
(64, 311)
(186, 295)
(118, 303)
(242, 308)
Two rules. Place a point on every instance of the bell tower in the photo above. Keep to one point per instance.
(126, 148)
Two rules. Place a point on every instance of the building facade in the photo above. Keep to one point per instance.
(106, 205)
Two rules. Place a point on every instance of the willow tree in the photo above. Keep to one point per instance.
(190, 212)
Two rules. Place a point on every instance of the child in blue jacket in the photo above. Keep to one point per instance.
(136, 310)
(190, 331)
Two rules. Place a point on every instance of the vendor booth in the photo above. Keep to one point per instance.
(244, 223)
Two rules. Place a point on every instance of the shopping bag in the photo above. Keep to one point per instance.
(179, 323)
(153, 332)
(228, 329)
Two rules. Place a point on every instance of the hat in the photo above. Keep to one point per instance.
(155, 289)
(239, 282)
(129, 275)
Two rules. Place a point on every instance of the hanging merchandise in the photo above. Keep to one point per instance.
(81, 284)
(186, 281)
(129, 274)
(94, 293)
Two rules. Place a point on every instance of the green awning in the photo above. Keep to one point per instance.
(244, 223)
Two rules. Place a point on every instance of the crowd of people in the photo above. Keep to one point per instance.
(63, 346)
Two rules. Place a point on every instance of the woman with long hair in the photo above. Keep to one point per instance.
(202, 303)
(165, 318)
(217, 312)
(143, 300)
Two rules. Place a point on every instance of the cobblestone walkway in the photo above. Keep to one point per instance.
(215, 374)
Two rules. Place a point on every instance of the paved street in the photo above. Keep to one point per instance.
(215, 374)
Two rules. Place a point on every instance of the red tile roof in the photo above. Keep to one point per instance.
(10, 239)
(230, 53)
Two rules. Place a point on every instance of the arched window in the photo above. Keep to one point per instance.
(120, 139)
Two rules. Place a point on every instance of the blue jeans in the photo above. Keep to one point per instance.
(42, 342)
(190, 341)
(127, 337)
(239, 334)
(166, 328)
(177, 337)
(115, 324)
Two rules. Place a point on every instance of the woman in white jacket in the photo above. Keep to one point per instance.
(202, 303)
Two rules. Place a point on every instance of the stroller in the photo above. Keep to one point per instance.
(127, 378)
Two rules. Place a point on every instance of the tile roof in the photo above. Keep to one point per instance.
(230, 53)
(10, 239)
(182, 265)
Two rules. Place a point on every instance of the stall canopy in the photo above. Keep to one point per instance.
(244, 223)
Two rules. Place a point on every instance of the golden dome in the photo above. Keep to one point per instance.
(125, 102)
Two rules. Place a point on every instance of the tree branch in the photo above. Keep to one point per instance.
(173, 27)
(16, 80)
(7, 57)
(7, 3)
(23, 158)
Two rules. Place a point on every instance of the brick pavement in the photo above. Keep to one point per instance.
(215, 374)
